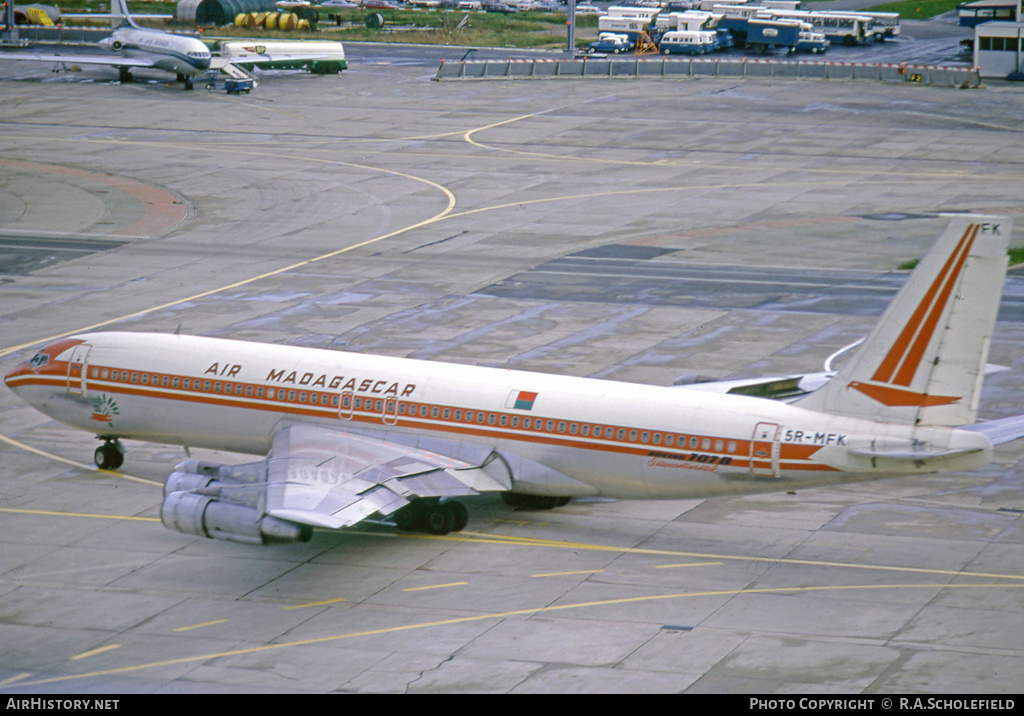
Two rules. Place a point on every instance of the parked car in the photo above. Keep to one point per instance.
(380, 5)
(338, 4)
(611, 42)
(680, 5)
(498, 7)
(588, 9)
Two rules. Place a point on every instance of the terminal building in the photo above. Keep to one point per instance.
(972, 14)
(997, 49)
(998, 33)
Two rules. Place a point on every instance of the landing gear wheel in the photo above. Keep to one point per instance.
(439, 520)
(409, 517)
(513, 499)
(534, 502)
(109, 455)
(461, 515)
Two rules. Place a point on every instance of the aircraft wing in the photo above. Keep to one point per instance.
(332, 479)
(107, 60)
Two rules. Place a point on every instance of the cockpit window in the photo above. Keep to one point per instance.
(39, 360)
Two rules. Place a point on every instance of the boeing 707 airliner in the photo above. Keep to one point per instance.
(344, 437)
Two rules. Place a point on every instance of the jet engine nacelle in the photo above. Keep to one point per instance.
(225, 502)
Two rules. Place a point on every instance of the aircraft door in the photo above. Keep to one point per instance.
(764, 450)
(346, 405)
(390, 414)
(77, 368)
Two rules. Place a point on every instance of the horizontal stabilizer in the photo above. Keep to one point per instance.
(1000, 431)
(910, 452)
(776, 388)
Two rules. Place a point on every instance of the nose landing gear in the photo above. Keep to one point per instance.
(109, 455)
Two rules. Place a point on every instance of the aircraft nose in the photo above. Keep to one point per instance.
(11, 377)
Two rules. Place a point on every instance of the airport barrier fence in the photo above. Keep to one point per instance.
(951, 76)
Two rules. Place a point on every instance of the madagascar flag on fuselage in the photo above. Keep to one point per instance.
(521, 400)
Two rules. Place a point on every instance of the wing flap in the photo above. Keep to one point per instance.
(333, 479)
(433, 484)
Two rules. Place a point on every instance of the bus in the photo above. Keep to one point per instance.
(847, 28)
(885, 25)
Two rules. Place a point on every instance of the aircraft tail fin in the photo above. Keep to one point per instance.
(119, 14)
(924, 361)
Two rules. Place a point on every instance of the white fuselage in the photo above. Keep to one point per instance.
(611, 438)
(162, 50)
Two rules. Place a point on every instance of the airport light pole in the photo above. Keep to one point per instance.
(9, 28)
(570, 26)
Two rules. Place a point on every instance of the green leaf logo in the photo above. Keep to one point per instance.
(104, 408)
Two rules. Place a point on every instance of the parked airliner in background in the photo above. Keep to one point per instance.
(350, 436)
(137, 48)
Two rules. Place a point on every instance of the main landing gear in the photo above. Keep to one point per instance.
(109, 455)
(433, 516)
(534, 502)
(441, 517)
